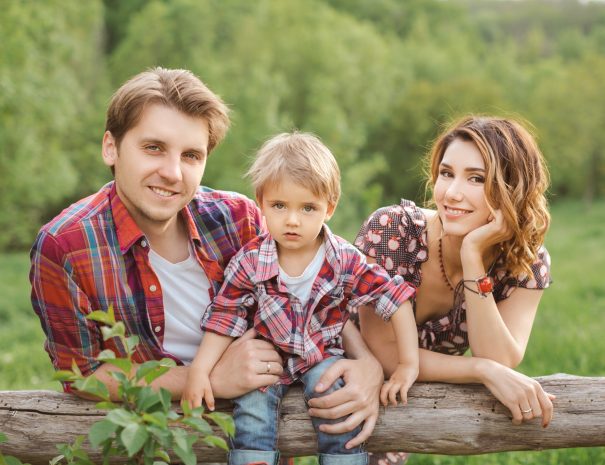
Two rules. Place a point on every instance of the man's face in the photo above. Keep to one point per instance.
(158, 165)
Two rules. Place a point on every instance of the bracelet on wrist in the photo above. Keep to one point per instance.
(483, 286)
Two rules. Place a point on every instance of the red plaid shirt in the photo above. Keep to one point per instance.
(253, 292)
(93, 255)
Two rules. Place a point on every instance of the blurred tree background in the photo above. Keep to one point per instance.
(374, 79)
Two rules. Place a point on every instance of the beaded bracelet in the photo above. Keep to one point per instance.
(484, 284)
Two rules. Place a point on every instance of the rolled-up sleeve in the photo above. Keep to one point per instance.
(227, 314)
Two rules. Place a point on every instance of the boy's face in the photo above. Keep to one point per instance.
(159, 165)
(294, 215)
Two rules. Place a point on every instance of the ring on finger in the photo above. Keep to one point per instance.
(529, 410)
(268, 367)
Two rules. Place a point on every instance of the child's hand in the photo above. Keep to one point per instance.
(402, 379)
(198, 389)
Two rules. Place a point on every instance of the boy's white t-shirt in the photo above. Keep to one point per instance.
(185, 291)
(302, 285)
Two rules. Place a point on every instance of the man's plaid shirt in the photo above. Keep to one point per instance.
(252, 292)
(93, 256)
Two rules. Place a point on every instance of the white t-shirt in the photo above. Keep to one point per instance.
(302, 285)
(185, 291)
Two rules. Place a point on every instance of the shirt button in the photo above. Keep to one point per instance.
(158, 329)
(143, 243)
(153, 288)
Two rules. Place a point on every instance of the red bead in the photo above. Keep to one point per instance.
(485, 285)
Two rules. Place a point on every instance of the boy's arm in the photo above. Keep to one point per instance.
(198, 386)
(406, 372)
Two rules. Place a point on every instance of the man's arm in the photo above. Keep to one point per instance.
(363, 378)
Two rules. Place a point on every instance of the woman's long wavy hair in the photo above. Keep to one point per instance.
(516, 181)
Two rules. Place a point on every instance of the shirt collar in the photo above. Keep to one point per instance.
(128, 231)
(268, 264)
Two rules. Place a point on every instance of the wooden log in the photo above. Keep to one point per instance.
(439, 418)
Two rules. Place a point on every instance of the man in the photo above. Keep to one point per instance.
(153, 244)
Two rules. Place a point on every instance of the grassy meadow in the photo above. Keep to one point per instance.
(567, 335)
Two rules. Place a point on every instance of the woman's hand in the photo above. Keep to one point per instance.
(358, 398)
(495, 231)
(523, 396)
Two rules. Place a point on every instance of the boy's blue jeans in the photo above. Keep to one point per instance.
(256, 417)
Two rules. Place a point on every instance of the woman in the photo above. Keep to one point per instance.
(477, 260)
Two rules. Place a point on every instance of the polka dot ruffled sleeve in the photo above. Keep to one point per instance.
(395, 237)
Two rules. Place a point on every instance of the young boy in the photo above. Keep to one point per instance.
(296, 285)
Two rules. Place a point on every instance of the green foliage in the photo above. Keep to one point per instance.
(143, 427)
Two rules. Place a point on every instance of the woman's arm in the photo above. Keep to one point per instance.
(515, 390)
(499, 332)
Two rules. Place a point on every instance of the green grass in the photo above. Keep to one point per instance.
(567, 335)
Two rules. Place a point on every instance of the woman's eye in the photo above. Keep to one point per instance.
(445, 173)
(477, 179)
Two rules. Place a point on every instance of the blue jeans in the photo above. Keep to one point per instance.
(256, 416)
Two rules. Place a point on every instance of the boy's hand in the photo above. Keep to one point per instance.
(401, 380)
(198, 389)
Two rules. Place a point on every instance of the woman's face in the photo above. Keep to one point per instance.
(459, 189)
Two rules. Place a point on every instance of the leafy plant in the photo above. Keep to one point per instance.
(143, 427)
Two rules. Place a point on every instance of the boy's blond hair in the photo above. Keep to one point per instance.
(303, 158)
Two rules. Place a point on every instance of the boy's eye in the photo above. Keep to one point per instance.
(308, 208)
(279, 206)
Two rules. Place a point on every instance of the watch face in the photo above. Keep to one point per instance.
(485, 285)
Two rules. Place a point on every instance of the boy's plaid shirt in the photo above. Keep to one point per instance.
(253, 292)
(93, 256)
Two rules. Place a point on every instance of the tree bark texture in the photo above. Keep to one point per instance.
(439, 418)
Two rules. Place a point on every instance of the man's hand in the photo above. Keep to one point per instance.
(358, 398)
(246, 365)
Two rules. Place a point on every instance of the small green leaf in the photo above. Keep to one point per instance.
(76, 369)
(162, 435)
(145, 368)
(3, 437)
(161, 453)
(147, 398)
(56, 460)
(215, 441)
(119, 377)
(150, 377)
(198, 411)
(131, 343)
(198, 424)
(156, 418)
(115, 331)
(64, 375)
(105, 355)
(186, 406)
(224, 421)
(10, 460)
(92, 386)
(159, 462)
(122, 363)
(133, 437)
(122, 417)
(102, 317)
(106, 405)
(101, 431)
(166, 398)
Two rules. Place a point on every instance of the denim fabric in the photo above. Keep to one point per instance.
(256, 416)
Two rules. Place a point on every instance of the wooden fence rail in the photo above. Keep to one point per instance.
(439, 418)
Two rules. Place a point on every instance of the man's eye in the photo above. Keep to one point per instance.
(192, 156)
(152, 148)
